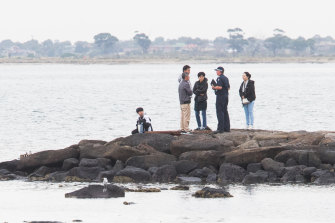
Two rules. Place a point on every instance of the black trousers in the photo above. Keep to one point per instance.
(222, 113)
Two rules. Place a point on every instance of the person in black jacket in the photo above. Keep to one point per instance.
(248, 97)
(200, 100)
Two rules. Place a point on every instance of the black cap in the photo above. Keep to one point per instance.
(220, 69)
(139, 109)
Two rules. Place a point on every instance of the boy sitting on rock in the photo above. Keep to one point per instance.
(143, 122)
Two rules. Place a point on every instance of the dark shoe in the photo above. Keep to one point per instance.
(207, 128)
(218, 131)
(197, 129)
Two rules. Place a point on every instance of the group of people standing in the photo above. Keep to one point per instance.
(221, 88)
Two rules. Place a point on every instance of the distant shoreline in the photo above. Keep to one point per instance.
(151, 60)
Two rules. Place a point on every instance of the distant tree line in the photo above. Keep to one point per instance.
(234, 45)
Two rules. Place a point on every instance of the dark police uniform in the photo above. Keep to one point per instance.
(222, 103)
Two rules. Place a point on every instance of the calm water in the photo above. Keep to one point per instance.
(54, 106)
(45, 201)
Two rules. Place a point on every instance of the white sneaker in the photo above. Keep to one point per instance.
(251, 127)
(247, 127)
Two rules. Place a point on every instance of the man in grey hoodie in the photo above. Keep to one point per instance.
(185, 95)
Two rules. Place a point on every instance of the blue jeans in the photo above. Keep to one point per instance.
(204, 120)
(249, 113)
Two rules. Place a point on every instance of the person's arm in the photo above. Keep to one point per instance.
(240, 91)
(195, 89)
(219, 85)
(188, 89)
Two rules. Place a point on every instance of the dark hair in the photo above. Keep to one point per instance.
(248, 75)
(186, 67)
(201, 74)
(139, 109)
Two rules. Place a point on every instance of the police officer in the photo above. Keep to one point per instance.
(221, 87)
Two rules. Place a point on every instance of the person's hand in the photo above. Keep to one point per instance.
(242, 97)
(213, 87)
(202, 94)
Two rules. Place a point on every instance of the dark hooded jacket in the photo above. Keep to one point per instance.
(200, 91)
(249, 92)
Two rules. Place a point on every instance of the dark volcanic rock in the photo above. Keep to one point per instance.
(41, 172)
(271, 165)
(147, 161)
(160, 142)
(254, 167)
(97, 191)
(243, 157)
(132, 174)
(85, 173)
(230, 173)
(293, 174)
(291, 162)
(202, 158)
(9, 165)
(260, 176)
(208, 192)
(307, 172)
(166, 173)
(185, 166)
(323, 177)
(123, 153)
(48, 158)
(309, 158)
(197, 142)
(99, 162)
(70, 163)
(201, 173)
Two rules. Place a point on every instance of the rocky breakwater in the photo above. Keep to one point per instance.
(247, 157)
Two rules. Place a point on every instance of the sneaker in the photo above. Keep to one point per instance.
(207, 128)
(198, 129)
(251, 127)
(247, 127)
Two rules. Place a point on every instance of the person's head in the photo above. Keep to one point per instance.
(201, 76)
(219, 71)
(185, 76)
(187, 69)
(140, 111)
(246, 76)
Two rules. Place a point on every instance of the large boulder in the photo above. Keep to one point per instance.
(70, 163)
(243, 157)
(309, 158)
(266, 139)
(202, 158)
(132, 174)
(197, 142)
(269, 164)
(236, 137)
(184, 166)
(84, 173)
(293, 175)
(147, 161)
(249, 145)
(40, 173)
(230, 173)
(201, 173)
(9, 165)
(99, 162)
(48, 158)
(311, 138)
(323, 177)
(97, 191)
(254, 167)
(166, 173)
(92, 151)
(160, 142)
(123, 153)
(259, 176)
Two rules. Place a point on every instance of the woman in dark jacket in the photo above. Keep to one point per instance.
(200, 91)
(248, 97)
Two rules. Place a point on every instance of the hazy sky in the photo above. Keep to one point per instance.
(20, 20)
